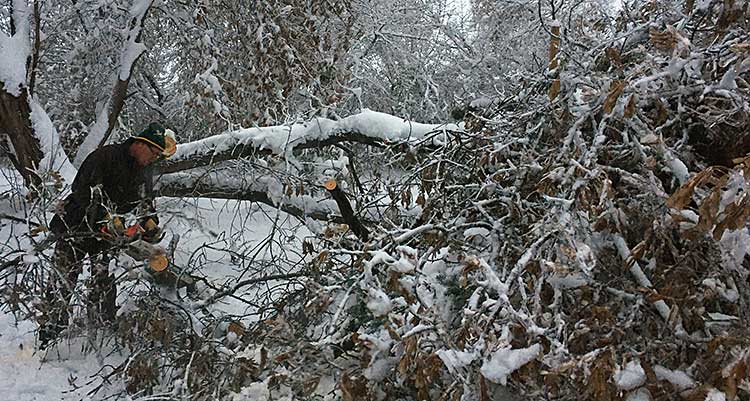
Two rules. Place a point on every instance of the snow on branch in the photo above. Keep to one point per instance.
(368, 127)
(54, 158)
(32, 138)
(638, 274)
(15, 50)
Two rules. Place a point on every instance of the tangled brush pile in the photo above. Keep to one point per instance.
(585, 238)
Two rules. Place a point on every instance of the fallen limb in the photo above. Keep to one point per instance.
(368, 127)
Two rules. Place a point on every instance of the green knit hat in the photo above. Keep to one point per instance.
(160, 138)
(153, 135)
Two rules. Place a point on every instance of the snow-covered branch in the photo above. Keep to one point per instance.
(368, 127)
(638, 275)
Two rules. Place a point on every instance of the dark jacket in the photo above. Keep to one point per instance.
(124, 186)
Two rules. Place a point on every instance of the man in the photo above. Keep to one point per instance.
(112, 180)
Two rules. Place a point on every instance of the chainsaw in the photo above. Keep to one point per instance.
(140, 242)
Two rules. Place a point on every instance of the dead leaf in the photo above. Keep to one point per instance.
(601, 314)
(630, 107)
(740, 48)
(598, 382)
(309, 386)
(406, 198)
(237, 328)
(722, 341)
(662, 40)
(421, 199)
(614, 56)
(662, 114)
(684, 195)
(689, 4)
(405, 363)
(37, 230)
(708, 211)
(615, 90)
(737, 374)
(735, 216)
(353, 388)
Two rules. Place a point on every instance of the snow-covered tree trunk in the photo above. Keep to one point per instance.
(33, 142)
(196, 170)
(15, 123)
(109, 110)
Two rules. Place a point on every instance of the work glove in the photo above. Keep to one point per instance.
(111, 226)
(151, 231)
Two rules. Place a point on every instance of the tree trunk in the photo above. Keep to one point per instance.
(15, 122)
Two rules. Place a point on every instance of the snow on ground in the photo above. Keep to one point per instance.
(228, 240)
(209, 230)
(24, 377)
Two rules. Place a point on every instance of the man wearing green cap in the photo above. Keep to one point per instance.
(112, 180)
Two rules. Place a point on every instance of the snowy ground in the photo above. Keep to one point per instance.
(234, 232)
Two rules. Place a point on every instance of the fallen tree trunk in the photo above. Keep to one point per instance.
(368, 127)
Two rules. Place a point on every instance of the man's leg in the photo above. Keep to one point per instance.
(103, 294)
(67, 267)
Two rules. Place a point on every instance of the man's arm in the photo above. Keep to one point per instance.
(150, 220)
(79, 205)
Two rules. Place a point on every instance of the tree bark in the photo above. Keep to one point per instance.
(347, 213)
(15, 122)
